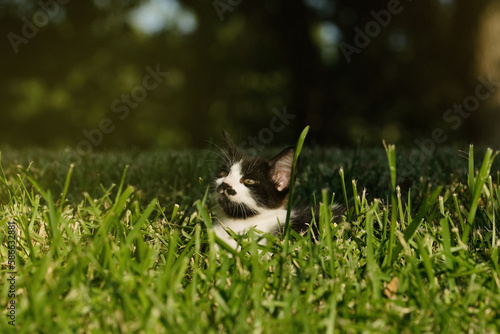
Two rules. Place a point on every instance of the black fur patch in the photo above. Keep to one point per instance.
(235, 210)
(264, 191)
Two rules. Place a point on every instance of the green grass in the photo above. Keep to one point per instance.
(119, 244)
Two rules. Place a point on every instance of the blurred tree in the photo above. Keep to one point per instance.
(231, 68)
(488, 66)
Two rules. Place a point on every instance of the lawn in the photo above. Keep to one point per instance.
(121, 243)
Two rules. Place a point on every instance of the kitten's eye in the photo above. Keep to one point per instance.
(222, 174)
(250, 182)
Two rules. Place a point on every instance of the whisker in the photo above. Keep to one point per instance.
(463, 154)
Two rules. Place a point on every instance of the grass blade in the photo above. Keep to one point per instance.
(142, 219)
(371, 265)
(417, 221)
(391, 159)
(298, 149)
(66, 187)
(344, 191)
(476, 186)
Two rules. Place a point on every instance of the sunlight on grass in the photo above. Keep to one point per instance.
(120, 257)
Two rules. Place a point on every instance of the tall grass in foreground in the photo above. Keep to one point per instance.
(109, 264)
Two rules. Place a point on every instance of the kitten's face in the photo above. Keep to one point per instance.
(245, 186)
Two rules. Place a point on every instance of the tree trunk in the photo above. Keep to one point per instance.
(488, 66)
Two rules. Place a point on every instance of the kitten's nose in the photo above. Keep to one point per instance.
(224, 187)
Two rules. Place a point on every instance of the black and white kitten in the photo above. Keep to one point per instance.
(253, 192)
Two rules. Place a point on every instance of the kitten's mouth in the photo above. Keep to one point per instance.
(232, 208)
(224, 199)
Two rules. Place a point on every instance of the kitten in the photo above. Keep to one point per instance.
(253, 192)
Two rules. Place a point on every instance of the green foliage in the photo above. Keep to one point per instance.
(89, 63)
(112, 259)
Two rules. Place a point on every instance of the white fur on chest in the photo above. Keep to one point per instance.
(266, 222)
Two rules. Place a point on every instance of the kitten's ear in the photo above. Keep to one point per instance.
(229, 143)
(281, 168)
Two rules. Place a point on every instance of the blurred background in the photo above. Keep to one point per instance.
(108, 74)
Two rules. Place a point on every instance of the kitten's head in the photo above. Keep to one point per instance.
(245, 186)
